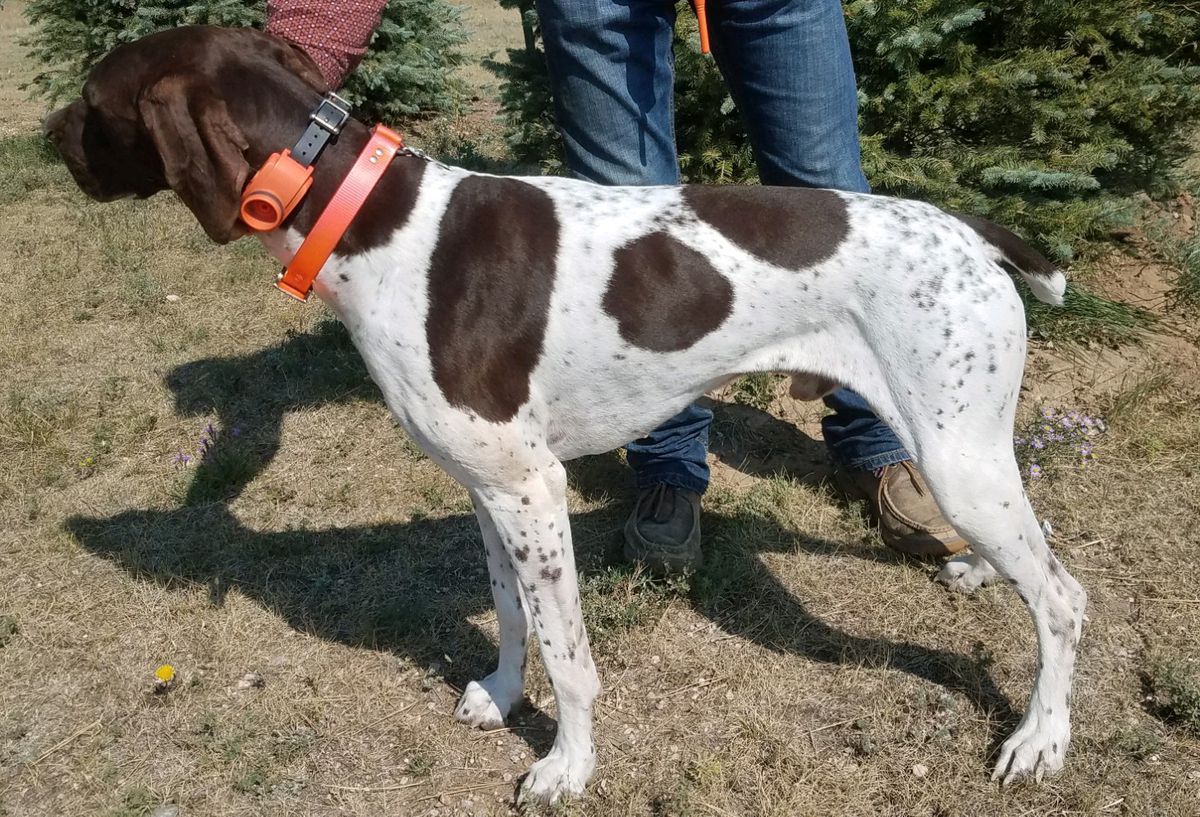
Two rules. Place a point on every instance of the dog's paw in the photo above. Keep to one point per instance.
(1035, 750)
(966, 574)
(555, 776)
(483, 704)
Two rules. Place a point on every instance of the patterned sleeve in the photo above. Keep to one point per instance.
(334, 34)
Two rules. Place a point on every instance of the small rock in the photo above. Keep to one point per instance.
(8, 629)
(165, 810)
(920, 770)
(172, 298)
(251, 680)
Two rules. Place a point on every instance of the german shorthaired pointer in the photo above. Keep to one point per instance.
(514, 323)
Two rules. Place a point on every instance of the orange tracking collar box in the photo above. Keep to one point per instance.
(275, 191)
(282, 182)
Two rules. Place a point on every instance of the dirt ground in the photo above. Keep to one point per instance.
(318, 586)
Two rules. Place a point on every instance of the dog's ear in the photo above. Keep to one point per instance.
(202, 152)
(297, 60)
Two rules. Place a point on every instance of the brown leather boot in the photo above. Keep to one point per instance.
(909, 520)
(663, 532)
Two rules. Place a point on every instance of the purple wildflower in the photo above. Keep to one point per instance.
(1035, 471)
(1036, 444)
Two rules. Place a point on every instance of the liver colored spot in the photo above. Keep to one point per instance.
(490, 281)
(664, 295)
(790, 227)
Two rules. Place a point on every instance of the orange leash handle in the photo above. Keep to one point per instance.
(368, 169)
(702, 21)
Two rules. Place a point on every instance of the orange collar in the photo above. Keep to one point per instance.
(297, 279)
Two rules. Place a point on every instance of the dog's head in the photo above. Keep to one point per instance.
(185, 109)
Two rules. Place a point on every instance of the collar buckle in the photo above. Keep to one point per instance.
(332, 114)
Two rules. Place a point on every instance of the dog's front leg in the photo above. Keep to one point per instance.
(487, 703)
(531, 522)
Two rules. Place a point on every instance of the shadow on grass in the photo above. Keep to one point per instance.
(410, 588)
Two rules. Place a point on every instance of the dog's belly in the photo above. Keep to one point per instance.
(611, 426)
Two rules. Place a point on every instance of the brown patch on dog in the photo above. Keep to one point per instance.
(790, 227)
(664, 295)
(386, 210)
(489, 294)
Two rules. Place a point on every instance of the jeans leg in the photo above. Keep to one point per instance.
(675, 452)
(612, 72)
(789, 70)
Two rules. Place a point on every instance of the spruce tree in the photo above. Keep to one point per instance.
(407, 70)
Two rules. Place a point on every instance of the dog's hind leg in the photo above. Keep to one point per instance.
(983, 498)
(487, 703)
(967, 573)
(531, 523)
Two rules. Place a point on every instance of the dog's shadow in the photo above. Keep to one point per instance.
(411, 588)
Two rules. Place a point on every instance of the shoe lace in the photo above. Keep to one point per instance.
(913, 476)
(654, 500)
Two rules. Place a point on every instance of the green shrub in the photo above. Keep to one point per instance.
(407, 71)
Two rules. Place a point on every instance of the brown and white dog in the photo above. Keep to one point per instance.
(514, 323)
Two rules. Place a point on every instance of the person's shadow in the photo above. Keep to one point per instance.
(411, 588)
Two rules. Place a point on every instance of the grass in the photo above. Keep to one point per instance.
(1173, 693)
(30, 165)
(804, 670)
(1189, 277)
(756, 390)
(1173, 243)
(1086, 316)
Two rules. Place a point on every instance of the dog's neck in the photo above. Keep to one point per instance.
(282, 124)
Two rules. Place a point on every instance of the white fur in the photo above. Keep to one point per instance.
(873, 316)
(966, 574)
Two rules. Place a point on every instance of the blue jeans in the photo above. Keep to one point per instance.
(787, 65)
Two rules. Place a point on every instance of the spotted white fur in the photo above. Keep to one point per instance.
(912, 310)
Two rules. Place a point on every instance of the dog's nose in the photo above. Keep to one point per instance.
(52, 124)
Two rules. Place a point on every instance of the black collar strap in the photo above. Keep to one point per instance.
(324, 123)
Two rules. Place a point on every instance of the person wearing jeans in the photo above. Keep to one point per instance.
(787, 64)
(788, 68)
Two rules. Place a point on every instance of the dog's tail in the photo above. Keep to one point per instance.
(1014, 255)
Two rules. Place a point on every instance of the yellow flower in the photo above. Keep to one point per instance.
(165, 674)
